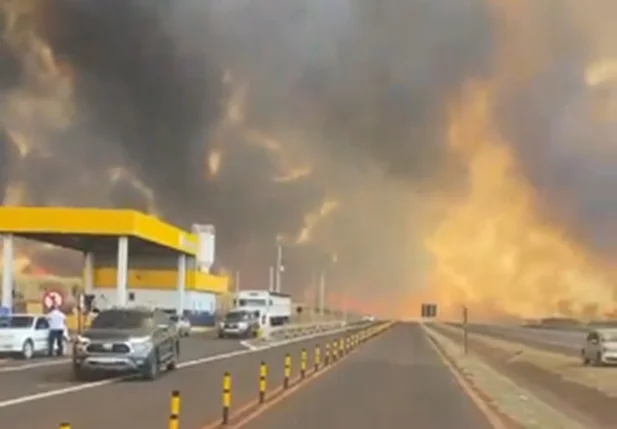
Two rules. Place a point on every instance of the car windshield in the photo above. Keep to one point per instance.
(119, 319)
(236, 316)
(16, 322)
(251, 302)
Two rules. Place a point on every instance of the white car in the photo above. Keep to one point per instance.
(600, 347)
(25, 335)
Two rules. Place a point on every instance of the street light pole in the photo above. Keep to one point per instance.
(271, 278)
(322, 293)
(237, 281)
(345, 304)
(279, 266)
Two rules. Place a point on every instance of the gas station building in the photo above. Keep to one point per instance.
(130, 258)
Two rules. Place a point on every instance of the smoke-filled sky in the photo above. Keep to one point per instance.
(266, 117)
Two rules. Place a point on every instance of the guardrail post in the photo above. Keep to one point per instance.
(303, 359)
(334, 351)
(317, 357)
(226, 397)
(174, 410)
(64, 426)
(263, 374)
(287, 373)
(327, 360)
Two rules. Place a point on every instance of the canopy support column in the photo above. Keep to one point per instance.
(7, 271)
(181, 283)
(88, 272)
(122, 271)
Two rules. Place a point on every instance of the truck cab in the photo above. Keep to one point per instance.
(275, 308)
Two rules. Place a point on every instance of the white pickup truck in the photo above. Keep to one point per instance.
(25, 335)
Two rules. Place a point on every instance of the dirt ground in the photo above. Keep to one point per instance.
(588, 391)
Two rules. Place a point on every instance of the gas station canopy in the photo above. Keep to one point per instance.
(96, 230)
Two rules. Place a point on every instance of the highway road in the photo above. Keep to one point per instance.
(21, 379)
(42, 397)
(567, 342)
(394, 381)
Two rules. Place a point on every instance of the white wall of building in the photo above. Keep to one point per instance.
(193, 300)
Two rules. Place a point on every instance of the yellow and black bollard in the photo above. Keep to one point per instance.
(317, 357)
(64, 426)
(174, 410)
(341, 345)
(303, 359)
(327, 360)
(287, 373)
(263, 374)
(226, 397)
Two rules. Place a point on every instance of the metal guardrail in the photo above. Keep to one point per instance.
(305, 329)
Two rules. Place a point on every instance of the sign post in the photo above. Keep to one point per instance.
(465, 313)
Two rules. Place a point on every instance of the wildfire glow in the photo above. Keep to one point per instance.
(493, 251)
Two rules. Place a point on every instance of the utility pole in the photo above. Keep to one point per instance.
(345, 305)
(322, 293)
(237, 281)
(271, 278)
(279, 266)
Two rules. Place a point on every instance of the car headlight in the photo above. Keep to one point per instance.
(141, 345)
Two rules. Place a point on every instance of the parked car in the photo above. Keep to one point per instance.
(240, 323)
(600, 347)
(125, 340)
(183, 324)
(25, 335)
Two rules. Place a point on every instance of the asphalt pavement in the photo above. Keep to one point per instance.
(394, 381)
(35, 377)
(106, 403)
(566, 342)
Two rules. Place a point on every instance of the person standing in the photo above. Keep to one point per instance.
(57, 326)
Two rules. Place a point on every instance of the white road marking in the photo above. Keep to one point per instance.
(71, 389)
(247, 344)
(33, 365)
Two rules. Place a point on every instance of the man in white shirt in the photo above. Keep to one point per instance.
(57, 327)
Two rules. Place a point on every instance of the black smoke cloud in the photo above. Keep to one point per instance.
(363, 83)
(556, 121)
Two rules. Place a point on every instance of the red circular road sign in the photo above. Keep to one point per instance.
(53, 298)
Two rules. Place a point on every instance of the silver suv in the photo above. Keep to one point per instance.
(127, 340)
(239, 323)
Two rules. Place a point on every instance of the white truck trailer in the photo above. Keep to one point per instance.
(276, 307)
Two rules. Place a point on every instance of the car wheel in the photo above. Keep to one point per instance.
(27, 350)
(151, 369)
(173, 362)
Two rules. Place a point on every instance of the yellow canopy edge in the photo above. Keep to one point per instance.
(92, 222)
